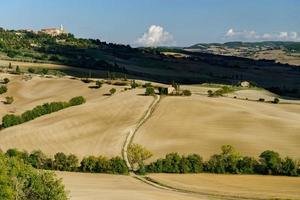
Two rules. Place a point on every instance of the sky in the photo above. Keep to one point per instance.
(159, 22)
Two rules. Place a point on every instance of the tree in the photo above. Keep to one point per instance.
(289, 167)
(98, 84)
(134, 84)
(37, 159)
(31, 70)
(137, 154)
(88, 164)
(18, 71)
(149, 91)
(186, 93)
(20, 181)
(112, 91)
(184, 165)
(195, 163)
(118, 166)
(270, 162)
(9, 100)
(276, 100)
(247, 165)
(3, 89)
(210, 93)
(5, 80)
(171, 164)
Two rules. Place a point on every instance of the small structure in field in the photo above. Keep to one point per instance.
(245, 84)
(171, 90)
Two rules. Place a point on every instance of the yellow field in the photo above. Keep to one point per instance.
(97, 127)
(115, 187)
(247, 186)
(202, 125)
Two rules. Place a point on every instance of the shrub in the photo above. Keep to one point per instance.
(210, 93)
(134, 84)
(276, 100)
(3, 89)
(18, 70)
(261, 99)
(77, 101)
(147, 85)
(186, 93)
(9, 100)
(112, 91)
(31, 70)
(98, 84)
(150, 91)
(5, 80)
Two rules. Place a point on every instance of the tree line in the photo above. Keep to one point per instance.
(47, 108)
(228, 161)
(63, 162)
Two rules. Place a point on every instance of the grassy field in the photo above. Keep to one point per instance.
(247, 186)
(97, 127)
(201, 125)
(115, 187)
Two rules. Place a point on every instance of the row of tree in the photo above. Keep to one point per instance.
(63, 162)
(21, 181)
(228, 161)
(47, 108)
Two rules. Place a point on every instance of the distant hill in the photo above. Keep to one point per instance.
(200, 64)
(283, 52)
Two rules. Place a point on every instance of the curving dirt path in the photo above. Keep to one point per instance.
(132, 132)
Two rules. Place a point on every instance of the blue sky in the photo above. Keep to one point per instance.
(177, 22)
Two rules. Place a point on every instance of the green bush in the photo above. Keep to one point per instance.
(134, 84)
(112, 91)
(276, 100)
(5, 80)
(3, 89)
(77, 101)
(186, 93)
(9, 100)
(98, 84)
(150, 91)
(31, 70)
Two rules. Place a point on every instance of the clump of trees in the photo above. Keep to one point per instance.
(63, 162)
(220, 92)
(174, 163)
(228, 161)
(21, 181)
(47, 108)
(3, 89)
(134, 84)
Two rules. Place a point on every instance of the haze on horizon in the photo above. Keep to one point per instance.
(158, 22)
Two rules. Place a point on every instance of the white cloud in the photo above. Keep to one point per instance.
(254, 36)
(155, 36)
